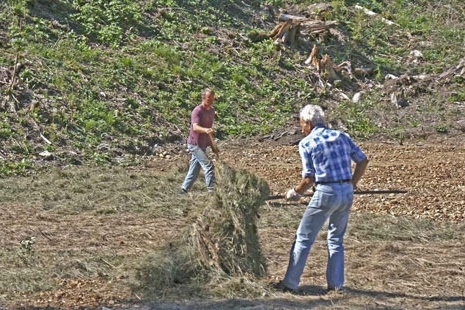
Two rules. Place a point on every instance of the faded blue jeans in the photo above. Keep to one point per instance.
(199, 160)
(331, 201)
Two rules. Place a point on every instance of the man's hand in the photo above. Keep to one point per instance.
(293, 195)
(214, 146)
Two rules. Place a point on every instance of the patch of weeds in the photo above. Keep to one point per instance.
(26, 252)
(26, 244)
(356, 119)
(12, 168)
(109, 22)
(5, 130)
(443, 129)
(101, 158)
(458, 95)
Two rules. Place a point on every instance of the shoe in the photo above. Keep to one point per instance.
(283, 288)
(182, 191)
(334, 290)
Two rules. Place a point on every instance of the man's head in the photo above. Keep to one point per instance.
(311, 116)
(208, 96)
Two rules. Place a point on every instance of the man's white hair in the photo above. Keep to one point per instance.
(313, 114)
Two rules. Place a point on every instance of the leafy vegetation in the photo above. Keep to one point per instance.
(106, 78)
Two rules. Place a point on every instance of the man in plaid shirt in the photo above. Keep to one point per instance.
(326, 164)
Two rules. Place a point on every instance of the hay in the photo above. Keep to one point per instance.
(220, 248)
(224, 235)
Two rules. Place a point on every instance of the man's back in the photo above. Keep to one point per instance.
(327, 154)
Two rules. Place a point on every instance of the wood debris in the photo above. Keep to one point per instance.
(458, 70)
(371, 13)
(289, 28)
(324, 65)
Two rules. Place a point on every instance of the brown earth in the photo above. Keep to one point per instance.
(430, 171)
(415, 270)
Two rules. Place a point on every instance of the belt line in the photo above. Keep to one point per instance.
(334, 182)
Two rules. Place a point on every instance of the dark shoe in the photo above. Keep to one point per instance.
(182, 191)
(281, 287)
(334, 290)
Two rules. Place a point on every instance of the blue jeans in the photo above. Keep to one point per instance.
(331, 201)
(199, 160)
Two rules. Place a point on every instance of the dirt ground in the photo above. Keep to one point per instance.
(411, 268)
(430, 171)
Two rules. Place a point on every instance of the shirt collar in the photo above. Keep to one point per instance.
(317, 128)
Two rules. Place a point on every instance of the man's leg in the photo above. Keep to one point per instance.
(194, 169)
(336, 230)
(200, 159)
(209, 176)
(313, 219)
(208, 168)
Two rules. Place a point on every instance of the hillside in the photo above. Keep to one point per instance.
(107, 82)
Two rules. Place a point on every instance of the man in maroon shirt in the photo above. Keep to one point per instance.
(202, 118)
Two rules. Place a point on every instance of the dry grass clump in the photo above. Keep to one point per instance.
(225, 232)
(221, 245)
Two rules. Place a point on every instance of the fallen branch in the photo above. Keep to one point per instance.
(286, 17)
(371, 13)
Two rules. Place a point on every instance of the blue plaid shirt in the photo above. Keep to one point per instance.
(326, 155)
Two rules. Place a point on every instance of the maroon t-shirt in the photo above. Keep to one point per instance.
(204, 118)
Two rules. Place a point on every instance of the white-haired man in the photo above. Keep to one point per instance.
(326, 156)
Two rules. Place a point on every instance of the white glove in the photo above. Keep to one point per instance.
(293, 195)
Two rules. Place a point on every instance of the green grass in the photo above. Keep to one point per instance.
(133, 71)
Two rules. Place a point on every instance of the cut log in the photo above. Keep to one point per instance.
(313, 59)
(286, 17)
(324, 66)
(327, 69)
(288, 29)
(318, 25)
(280, 31)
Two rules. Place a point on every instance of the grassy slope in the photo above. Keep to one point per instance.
(100, 81)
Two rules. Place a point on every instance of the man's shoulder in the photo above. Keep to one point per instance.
(307, 141)
(201, 108)
(197, 107)
(335, 133)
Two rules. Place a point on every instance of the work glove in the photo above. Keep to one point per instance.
(293, 195)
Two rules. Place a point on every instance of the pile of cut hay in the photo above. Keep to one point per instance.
(219, 250)
(224, 234)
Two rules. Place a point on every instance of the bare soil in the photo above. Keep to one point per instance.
(404, 251)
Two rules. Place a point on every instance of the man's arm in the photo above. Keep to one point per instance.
(304, 185)
(359, 170)
(200, 129)
(297, 192)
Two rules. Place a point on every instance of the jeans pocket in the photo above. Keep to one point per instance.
(192, 148)
(320, 200)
